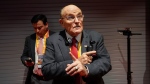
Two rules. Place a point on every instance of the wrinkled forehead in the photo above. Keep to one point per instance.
(70, 9)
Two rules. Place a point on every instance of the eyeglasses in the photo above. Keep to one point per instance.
(72, 18)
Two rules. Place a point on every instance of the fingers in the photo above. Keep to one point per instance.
(89, 59)
(29, 58)
(86, 57)
(78, 65)
(35, 69)
(79, 69)
(29, 63)
(90, 53)
(39, 72)
(70, 66)
(86, 60)
(73, 71)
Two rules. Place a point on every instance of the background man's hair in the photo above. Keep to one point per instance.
(38, 17)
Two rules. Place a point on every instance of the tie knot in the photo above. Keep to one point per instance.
(74, 40)
(40, 38)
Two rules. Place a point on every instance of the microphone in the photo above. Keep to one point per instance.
(90, 47)
(92, 42)
(69, 41)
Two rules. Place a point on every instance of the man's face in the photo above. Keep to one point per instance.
(72, 20)
(39, 28)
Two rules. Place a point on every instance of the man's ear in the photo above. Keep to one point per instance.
(61, 22)
(47, 24)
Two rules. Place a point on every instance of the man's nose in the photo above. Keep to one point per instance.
(76, 19)
(37, 30)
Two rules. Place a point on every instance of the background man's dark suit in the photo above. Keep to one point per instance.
(57, 57)
(29, 51)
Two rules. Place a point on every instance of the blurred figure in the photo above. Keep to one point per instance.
(34, 50)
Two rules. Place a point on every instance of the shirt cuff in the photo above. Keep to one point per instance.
(87, 70)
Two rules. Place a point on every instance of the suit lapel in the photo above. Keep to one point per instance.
(85, 42)
(64, 46)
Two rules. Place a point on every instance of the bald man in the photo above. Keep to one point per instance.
(83, 66)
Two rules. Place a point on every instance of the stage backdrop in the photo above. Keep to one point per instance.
(104, 16)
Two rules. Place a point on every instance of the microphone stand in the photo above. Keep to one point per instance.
(128, 33)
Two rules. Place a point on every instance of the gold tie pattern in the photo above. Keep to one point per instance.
(40, 52)
(40, 47)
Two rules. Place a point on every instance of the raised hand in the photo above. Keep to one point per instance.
(78, 67)
(86, 58)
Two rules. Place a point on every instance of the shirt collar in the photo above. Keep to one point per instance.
(37, 37)
(46, 34)
(77, 37)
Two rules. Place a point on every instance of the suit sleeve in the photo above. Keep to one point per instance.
(25, 53)
(101, 62)
(51, 67)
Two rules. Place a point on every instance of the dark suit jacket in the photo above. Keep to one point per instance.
(29, 51)
(57, 57)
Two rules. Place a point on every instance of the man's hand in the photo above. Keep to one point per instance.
(29, 62)
(86, 58)
(76, 68)
(37, 70)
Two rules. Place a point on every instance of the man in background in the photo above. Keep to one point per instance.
(34, 50)
(75, 55)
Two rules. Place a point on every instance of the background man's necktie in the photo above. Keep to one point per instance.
(40, 47)
(37, 67)
(40, 52)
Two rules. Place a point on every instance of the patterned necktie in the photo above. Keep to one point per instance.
(74, 50)
(40, 47)
(37, 67)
